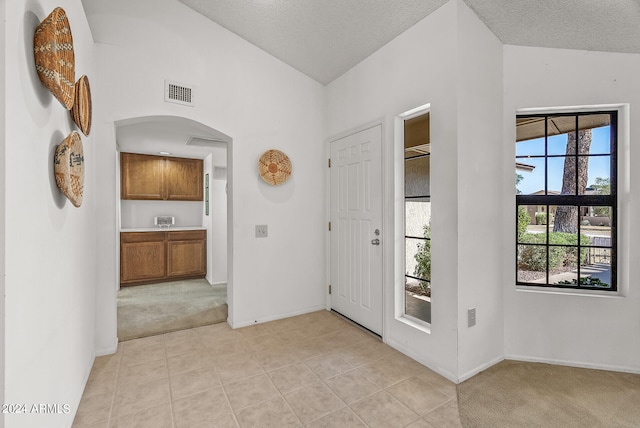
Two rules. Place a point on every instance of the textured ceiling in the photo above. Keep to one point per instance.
(321, 38)
(593, 25)
(325, 38)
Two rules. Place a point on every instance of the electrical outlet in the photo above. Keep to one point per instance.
(261, 231)
(471, 317)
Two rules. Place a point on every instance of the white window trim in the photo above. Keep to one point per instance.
(399, 226)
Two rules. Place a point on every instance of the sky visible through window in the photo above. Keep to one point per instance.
(532, 182)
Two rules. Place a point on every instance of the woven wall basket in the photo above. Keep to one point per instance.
(68, 167)
(81, 110)
(274, 167)
(54, 58)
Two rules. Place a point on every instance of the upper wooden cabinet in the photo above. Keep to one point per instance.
(183, 178)
(151, 177)
(141, 176)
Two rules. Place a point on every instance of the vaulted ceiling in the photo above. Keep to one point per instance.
(325, 38)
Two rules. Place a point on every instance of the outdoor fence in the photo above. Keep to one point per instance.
(599, 255)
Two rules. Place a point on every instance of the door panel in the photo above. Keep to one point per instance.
(356, 214)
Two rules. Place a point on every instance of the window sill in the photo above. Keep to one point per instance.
(570, 292)
(423, 326)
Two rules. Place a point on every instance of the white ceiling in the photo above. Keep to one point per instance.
(592, 25)
(325, 38)
(321, 38)
(154, 134)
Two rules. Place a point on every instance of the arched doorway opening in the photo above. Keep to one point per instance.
(160, 306)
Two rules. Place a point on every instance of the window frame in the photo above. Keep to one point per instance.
(404, 315)
(577, 200)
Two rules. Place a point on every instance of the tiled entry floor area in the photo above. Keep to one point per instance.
(314, 370)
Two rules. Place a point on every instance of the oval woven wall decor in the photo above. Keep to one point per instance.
(68, 167)
(54, 57)
(81, 110)
(274, 167)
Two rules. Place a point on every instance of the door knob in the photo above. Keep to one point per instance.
(375, 241)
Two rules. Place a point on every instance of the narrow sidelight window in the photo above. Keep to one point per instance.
(417, 216)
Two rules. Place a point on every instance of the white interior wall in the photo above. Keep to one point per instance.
(414, 69)
(218, 213)
(50, 268)
(2, 202)
(453, 62)
(257, 100)
(136, 214)
(207, 220)
(565, 327)
(479, 197)
(216, 221)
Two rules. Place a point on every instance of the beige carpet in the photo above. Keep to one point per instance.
(147, 310)
(518, 394)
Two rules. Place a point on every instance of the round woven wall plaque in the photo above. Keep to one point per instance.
(81, 110)
(54, 58)
(68, 167)
(274, 167)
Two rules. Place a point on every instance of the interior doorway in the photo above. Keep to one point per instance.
(196, 235)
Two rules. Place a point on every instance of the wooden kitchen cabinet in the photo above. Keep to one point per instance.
(141, 176)
(186, 253)
(143, 257)
(148, 177)
(183, 179)
(147, 257)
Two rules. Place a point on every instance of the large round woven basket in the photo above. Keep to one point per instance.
(54, 57)
(274, 167)
(81, 110)
(68, 167)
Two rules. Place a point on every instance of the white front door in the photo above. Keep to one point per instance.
(356, 227)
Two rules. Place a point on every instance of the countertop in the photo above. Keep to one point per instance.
(161, 229)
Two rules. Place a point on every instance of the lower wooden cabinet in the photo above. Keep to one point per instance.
(186, 253)
(147, 257)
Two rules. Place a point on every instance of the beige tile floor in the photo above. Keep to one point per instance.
(313, 370)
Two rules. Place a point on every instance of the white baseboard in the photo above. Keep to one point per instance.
(218, 283)
(419, 358)
(579, 364)
(87, 373)
(275, 317)
(109, 350)
(480, 368)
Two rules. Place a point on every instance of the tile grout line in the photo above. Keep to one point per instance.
(284, 399)
(115, 389)
(260, 348)
(348, 406)
(174, 423)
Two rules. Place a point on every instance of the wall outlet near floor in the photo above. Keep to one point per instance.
(471, 317)
(261, 230)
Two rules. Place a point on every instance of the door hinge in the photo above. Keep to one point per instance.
(329, 288)
(329, 226)
(329, 162)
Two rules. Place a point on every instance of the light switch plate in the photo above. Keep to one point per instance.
(471, 315)
(261, 231)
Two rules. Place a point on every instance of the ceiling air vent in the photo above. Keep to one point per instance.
(178, 93)
(206, 142)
